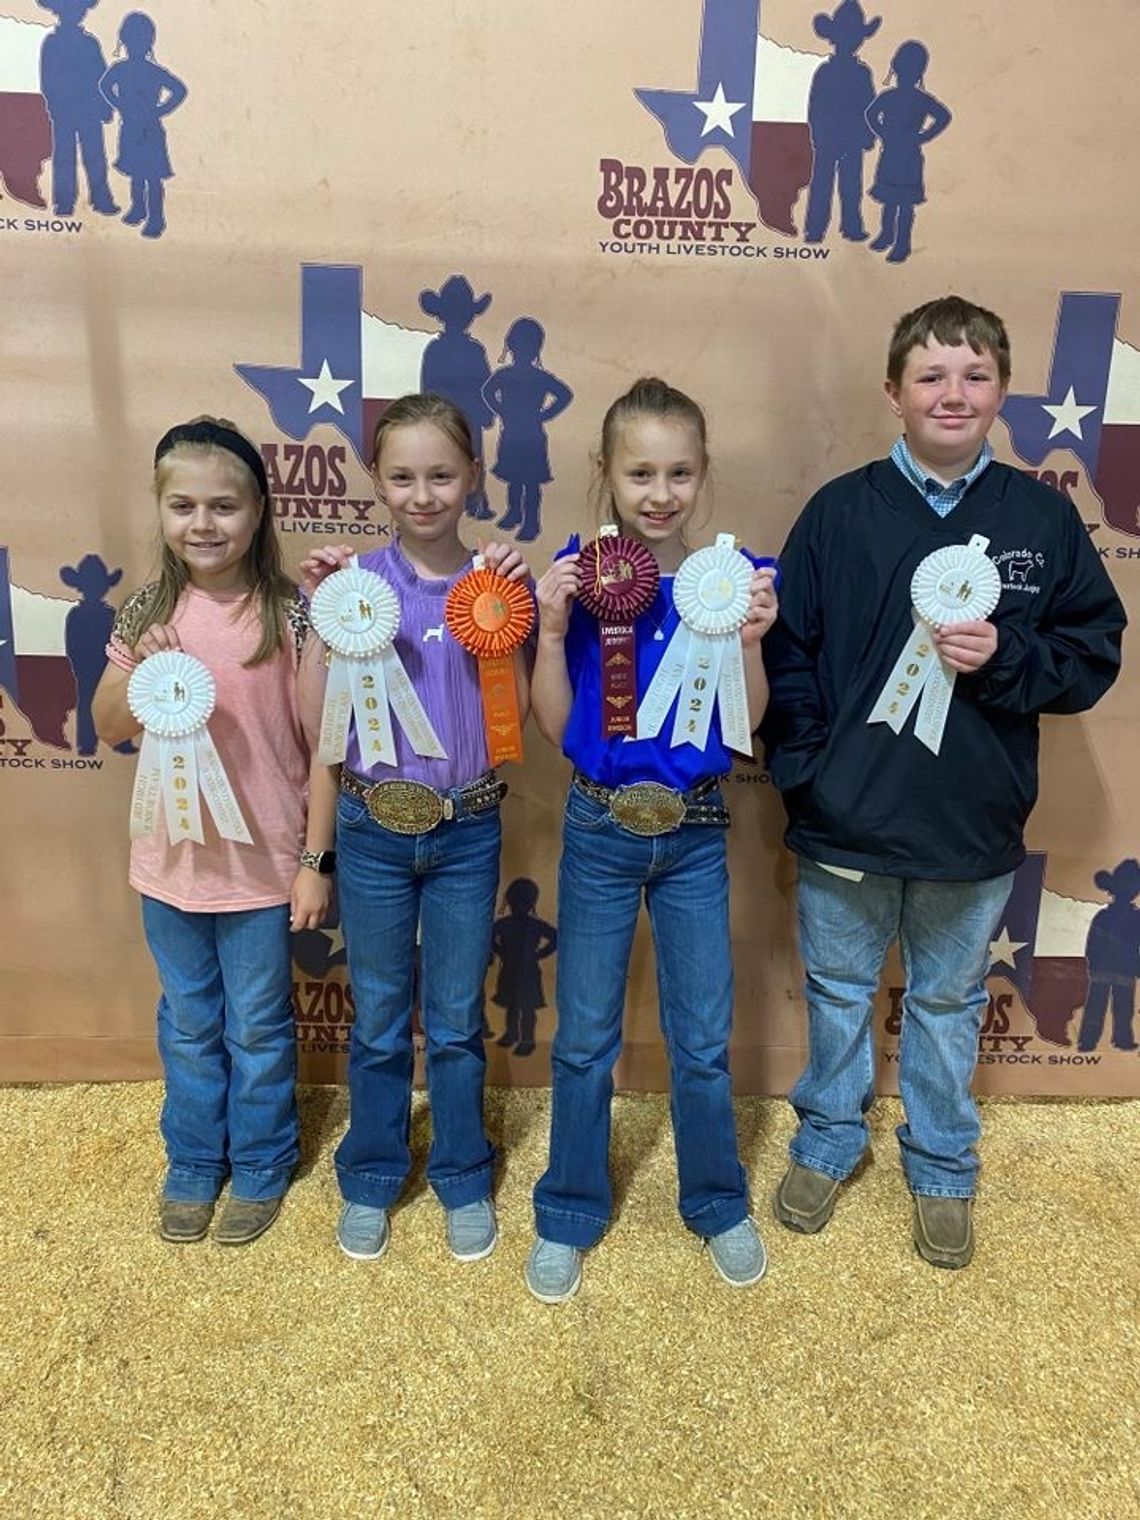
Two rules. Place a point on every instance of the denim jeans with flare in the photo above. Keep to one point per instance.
(603, 875)
(229, 1050)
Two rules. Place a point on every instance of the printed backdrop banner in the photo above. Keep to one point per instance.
(291, 214)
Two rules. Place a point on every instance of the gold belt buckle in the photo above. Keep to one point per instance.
(648, 808)
(405, 807)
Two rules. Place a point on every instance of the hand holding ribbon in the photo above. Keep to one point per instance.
(357, 615)
(556, 589)
(763, 605)
(172, 695)
(491, 617)
(966, 647)
(956, 587)
(618, 581)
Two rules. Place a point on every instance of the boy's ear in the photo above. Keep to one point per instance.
(891, 391)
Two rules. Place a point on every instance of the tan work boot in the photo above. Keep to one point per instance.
(244, 1219)
(805, 1199)
(944, 1230)
(183, 1223)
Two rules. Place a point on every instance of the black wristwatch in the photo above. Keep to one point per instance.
(321, 861)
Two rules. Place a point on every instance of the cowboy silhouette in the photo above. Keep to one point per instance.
(526, 397)
(71, 66)
(841, 91)
(85, 633)
(904, 119)
(1112, 951)
(455, 365)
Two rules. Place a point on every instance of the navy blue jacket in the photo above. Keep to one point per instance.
(857, 794)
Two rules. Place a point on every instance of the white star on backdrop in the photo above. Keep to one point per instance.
(719, 112)
(326, 389)
(1003, 950)
(1067, 416)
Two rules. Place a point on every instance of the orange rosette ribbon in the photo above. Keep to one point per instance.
(491, 617)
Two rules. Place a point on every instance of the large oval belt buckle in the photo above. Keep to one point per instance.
(405, 807)
(648, 808)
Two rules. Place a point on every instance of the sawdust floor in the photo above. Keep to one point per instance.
(156, 1382)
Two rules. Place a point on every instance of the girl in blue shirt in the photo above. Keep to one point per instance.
(652, 465)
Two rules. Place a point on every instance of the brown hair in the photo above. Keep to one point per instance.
(269, 586)
(425, 406)
(647, 397)
(951, 320)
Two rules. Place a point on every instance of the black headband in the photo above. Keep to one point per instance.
(222, 438)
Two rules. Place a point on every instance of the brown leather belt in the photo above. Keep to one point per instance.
(649, 809)
(413, 807)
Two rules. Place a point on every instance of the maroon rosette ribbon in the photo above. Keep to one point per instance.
(619, 581)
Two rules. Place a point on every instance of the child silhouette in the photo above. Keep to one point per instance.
(521, 940)
(142, 92)
(904, 119)
(518, 393)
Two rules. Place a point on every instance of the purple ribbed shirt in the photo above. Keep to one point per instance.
(445, 676)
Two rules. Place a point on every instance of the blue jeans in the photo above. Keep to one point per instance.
(684, 877)
(944, 930)
(445, 881)
(228, 1048)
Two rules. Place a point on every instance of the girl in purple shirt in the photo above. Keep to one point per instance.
(442, 878)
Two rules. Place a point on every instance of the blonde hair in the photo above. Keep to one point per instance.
(647, 397)
(270, 589)
(425, 406)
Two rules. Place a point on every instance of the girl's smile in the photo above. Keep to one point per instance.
(209, 516)
(655, 477)
(424, 479)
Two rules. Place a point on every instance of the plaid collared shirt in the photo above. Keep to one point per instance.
(943, 498)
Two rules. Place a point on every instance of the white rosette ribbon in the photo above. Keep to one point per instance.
(956, 584)
(357, 613)
(704, 663)
(172, 695)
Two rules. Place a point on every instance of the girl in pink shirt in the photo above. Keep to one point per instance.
(217, 915)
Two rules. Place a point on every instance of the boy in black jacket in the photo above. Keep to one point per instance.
(905, 748)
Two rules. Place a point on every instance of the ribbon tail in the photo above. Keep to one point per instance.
(409, 710)
(934, 708)
(664, 686)
(732, 698)
(698, 691)
(218, 792)
(373, 719)
(500, 709)
(147, 788)
(902, 687)
(177, 758)
(336, 714)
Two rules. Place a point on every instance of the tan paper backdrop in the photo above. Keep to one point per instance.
(331, 163)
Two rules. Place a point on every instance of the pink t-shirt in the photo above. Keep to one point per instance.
(257, 730)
